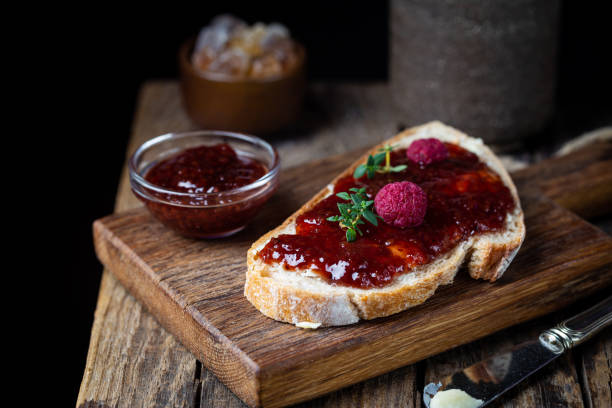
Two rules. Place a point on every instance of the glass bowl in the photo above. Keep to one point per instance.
(204, 215)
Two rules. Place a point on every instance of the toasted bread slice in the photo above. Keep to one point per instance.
(307, 300)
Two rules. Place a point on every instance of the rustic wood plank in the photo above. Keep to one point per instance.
(213, 393)
(583, 185)
(132, 360)
(595, 361)
(398, 388)
(159, 111)
(270, 363)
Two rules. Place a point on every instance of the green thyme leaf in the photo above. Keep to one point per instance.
(399, 168)
(370, 217)
(374, 164)
(379, 158)
(360, 171)
(354, 212)
(344, 210)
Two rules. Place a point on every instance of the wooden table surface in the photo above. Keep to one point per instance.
(133, 362)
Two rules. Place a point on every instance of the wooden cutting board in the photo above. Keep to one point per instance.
(195, 288)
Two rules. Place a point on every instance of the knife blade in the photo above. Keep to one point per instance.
(486, 380)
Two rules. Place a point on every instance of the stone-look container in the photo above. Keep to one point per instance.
(486, 67)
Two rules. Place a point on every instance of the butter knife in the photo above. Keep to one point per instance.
(484, 381)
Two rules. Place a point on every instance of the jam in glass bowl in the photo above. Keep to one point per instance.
(204, 184)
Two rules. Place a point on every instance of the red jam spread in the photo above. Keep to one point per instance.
(205, 169)
(464, 197)
(200, 171)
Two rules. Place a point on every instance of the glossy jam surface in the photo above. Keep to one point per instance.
(465, 197)
(204, 170)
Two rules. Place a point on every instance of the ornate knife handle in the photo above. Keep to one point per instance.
(579, 328)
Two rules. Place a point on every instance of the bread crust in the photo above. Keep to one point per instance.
(297, 296)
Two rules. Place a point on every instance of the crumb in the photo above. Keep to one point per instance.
(307, 325)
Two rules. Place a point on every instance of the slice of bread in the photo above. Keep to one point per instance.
(307, 300)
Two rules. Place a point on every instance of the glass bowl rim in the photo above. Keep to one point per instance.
(270, 175)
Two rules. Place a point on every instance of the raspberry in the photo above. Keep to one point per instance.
(427, 151)
(401, 204)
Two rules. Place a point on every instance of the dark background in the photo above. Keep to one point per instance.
(111, 52)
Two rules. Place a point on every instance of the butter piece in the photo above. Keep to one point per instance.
(454, 398)
(307, 325)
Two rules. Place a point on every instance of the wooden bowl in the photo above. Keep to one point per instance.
(248, 105)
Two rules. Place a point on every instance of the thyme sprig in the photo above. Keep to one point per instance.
(353, 213)
(373, 164)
